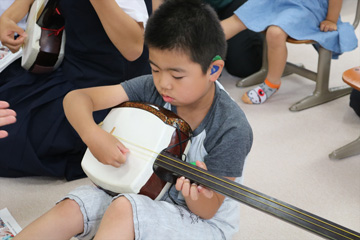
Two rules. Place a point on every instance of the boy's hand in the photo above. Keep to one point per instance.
(328, 26)
(8, 28)
(193, 190)
(107, 149)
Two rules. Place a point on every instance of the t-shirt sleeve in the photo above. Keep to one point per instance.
(227, 156)
(229, 139)
(142, 89)
(136, 9)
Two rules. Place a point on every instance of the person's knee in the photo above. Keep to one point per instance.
(275, 35)
(69, 216)
(120, 209)
(69, 208)
(121, 203)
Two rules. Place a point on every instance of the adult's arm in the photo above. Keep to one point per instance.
(8, 24)
(124, 32)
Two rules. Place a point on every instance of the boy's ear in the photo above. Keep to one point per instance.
(215, 69)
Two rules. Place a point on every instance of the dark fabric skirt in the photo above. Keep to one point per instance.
(41, 142)
(355, 101)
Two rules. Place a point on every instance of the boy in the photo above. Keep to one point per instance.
(186, 41)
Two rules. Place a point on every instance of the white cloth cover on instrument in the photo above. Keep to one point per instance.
(145, 135)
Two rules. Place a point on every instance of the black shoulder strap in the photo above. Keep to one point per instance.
(148, 6)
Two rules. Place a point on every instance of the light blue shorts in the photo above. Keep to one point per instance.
(152, 219)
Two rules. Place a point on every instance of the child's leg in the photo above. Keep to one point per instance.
(63, 221)
(232, 26)
(117, 222)
(277, 55)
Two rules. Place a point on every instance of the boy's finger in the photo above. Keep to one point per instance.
(207, 192)
(122, 149)
(194, 192)
(116, 164)
(179, 183)
(201, 164)
(186, 188)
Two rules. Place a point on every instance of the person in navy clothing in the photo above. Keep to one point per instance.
(104, 46)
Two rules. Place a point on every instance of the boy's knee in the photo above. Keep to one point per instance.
(121, 203)
(121, 206)
(69, 214)
(69, 207)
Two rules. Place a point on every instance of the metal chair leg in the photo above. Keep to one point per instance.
(259, 76)
(322, 92)
(350, 149)
(253, 79)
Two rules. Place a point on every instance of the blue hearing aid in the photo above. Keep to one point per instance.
(215, 68)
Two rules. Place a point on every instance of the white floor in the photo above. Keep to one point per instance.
(288, 161)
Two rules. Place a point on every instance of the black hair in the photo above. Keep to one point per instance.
(188, 26)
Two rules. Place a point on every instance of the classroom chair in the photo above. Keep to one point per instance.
(352, 78)
(322, 91)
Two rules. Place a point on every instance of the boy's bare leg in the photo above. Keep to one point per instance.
(277, 53)
(63, 221)
(117, 222)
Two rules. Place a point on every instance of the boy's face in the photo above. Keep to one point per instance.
(179, 80)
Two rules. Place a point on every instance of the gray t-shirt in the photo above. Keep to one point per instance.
(223, 140)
